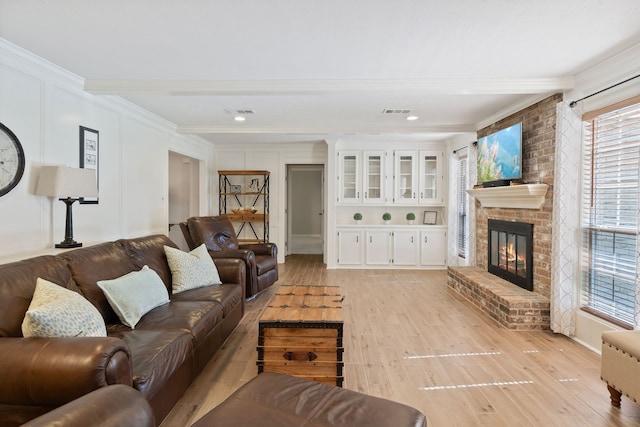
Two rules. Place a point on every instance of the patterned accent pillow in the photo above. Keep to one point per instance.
(191, 270)
(59, 312)
(135, 294)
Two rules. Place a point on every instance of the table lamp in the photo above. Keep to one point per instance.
(68, 184)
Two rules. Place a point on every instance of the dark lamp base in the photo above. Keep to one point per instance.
(68, 245)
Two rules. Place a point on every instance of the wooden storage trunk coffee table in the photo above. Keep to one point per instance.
(300, 334)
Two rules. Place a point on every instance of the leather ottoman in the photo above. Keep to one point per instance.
(278, 400)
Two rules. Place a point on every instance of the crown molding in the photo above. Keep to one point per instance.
(512, 109)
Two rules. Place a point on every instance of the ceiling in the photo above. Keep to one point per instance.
(313, 69)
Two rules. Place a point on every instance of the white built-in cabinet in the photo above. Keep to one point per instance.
(374, 181)
(377, 247)
(405, 247)
(392, 246)
(431, 178)
(374, 177)
(418, 177)
(433, 247)
(361, 176)
(350, 247)
(405, 172)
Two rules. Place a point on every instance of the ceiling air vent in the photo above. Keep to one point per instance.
(243, 111)
(396, 111)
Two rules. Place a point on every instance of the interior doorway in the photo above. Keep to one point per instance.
(305, 209)
(184, 194)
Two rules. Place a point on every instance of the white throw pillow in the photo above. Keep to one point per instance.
(135, 294)
(191, 270)
(59, 312)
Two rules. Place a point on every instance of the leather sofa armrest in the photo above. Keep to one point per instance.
(244, 254)
(231, 270)
(113, 406)
(262, 248)
(54, 371)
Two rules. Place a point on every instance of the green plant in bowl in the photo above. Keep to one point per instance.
(386, 216)
(411, 216)
(357, 216)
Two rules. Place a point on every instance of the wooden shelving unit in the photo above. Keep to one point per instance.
(244, 199)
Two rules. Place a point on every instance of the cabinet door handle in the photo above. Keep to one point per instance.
(414, 195)
(365, 194)
(357, 239)
(358, 195)
(425, 239)
(411, 239)
(370, 239)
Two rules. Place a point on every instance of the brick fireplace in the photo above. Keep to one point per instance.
(514, 307)
(539, 136)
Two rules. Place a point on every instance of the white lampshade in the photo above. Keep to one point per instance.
(63, 181)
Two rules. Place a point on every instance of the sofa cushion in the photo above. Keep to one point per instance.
(156, 355)
(149, 251)
(58, 312)
(100, 262)
(17, 284)
(190, 270)
(197, 318)
(228, 296)
(135, 294)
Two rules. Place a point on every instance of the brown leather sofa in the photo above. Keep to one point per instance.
(160, 357)
(112, 406)
(219, 236)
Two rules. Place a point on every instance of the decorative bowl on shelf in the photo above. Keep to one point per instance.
(239, 211)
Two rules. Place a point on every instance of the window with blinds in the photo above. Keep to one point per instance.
(611, 192)
(462, 206)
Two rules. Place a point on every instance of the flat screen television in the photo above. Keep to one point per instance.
(500, 157)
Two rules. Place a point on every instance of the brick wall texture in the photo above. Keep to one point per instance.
(539, 138)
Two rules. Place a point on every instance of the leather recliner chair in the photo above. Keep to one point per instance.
(219, 236)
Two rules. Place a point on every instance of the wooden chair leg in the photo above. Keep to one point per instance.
(615, 396)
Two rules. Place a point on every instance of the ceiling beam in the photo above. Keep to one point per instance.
(206, 129)
(446, 86)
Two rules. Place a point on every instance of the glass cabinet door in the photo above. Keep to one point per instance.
(405, 173)
(374, 177)
(349, 177)
(430, 177)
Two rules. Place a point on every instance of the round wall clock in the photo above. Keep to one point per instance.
(11, 160)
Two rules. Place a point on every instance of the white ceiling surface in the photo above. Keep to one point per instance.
(323, 69)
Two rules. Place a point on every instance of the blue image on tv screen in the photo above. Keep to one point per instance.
(500, 155)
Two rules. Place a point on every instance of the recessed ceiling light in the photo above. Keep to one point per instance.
(239, 119)
(412, 118)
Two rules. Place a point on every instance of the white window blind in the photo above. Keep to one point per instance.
(610, 197)
(462, 206)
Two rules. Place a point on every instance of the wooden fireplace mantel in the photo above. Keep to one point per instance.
(525, 196)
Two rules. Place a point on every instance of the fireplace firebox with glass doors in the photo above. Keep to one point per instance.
(511, 252)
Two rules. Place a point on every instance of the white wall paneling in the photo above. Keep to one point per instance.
(44, 106)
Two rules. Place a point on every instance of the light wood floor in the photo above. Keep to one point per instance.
(410, 339)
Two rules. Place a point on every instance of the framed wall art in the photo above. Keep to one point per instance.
(90, 157)
(430, 217)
